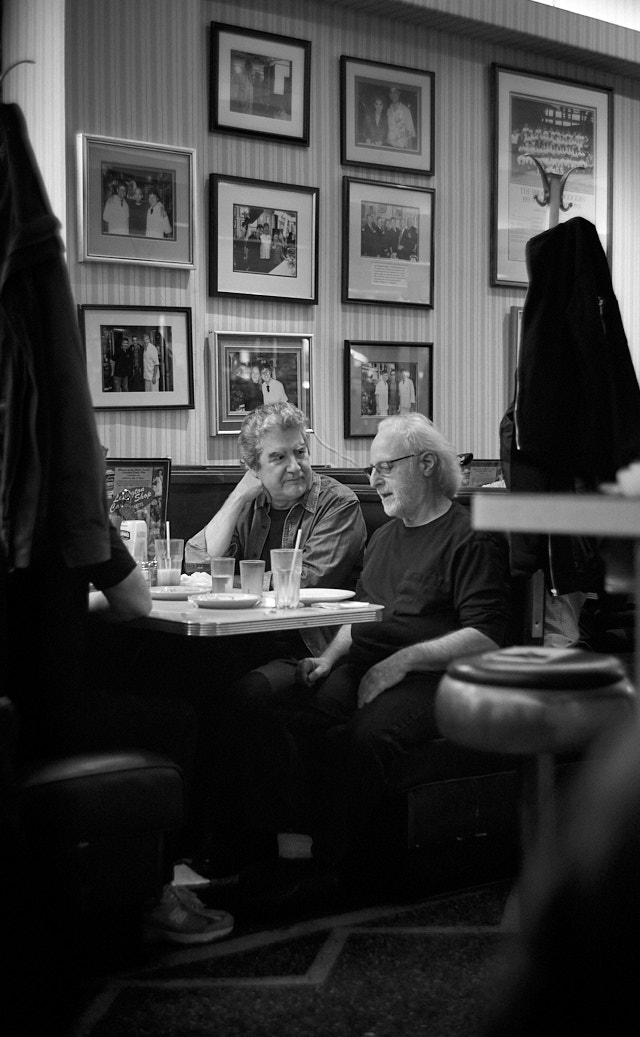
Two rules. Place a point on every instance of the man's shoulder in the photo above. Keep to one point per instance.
(334, 489)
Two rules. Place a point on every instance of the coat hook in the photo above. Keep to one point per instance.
(22, 61)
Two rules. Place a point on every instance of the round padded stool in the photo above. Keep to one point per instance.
(534, 703)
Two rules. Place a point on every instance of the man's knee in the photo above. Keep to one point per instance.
(266, 688)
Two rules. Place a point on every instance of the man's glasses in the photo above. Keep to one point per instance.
(385, 467)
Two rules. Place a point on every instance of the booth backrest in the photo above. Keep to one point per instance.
(197, 493)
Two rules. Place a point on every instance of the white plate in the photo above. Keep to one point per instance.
(225, 601)
(313, 595)
(171, 593)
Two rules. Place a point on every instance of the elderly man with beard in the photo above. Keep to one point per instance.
(326, 746)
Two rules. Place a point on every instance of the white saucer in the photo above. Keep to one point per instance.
(225, 601)
(313, 595)
(171, 593)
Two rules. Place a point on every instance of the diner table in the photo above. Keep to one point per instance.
(187, 619)
(573, 514)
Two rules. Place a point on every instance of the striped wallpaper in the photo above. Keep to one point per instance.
(138, 69)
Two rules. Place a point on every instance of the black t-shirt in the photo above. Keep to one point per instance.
(432, 580)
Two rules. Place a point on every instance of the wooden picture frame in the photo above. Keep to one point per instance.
(373, 272)
(248, 370)
(365, 366)
(138, 488)
(259, 84)
(386, 116)
(280, 262)
(551, 137)
(160, 380)
(136, 202)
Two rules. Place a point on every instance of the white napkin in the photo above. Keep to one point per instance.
(197, 581)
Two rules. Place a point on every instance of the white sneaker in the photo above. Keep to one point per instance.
(185, 877)
(180, 917)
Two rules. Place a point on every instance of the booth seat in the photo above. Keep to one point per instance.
(449, 793)
(87, 833)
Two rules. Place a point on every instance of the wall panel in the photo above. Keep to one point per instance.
(139, 71)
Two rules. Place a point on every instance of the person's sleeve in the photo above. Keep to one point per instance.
(117, 568)
(334, 548)
(482, 585)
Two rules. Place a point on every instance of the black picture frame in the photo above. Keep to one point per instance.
(259, 84)
(241, 261)
(371, 272)
(364, 365)
(550, 135)
(386, 116)
(236, 356)
(168, 328)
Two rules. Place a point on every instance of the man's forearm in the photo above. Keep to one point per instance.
(339, 647)
(438, 653)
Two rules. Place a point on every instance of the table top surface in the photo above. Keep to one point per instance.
(579, 514)
(187, 619)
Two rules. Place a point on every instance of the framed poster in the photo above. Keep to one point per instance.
(136, 202)
(138, 357)
(259, 84)
(386, 116)
(250, 370)
(263, 239)
(138, 488)
(552, 160)
(384, 378)
(387, 243)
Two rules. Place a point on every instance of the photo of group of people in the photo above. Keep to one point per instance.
(387, 116)
(136, 359)
(255, 379)
(389, 231)
(138, 202)
(264, 240)
(560, 136)
(387, 389)
(260, 85)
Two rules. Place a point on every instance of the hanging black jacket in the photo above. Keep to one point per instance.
(576, 414)
(52, 486)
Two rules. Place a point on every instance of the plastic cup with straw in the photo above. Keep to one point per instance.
(293, 565)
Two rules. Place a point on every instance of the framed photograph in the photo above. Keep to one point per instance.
(135, 202)
(138, 357)
(384, 378)
(138, 488)
(386, 116)
(259, 84)
(250, 370)
(387, 243)
(263, 239)
(480, 472)
(552, 160)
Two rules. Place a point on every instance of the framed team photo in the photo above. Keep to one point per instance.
(552, 160)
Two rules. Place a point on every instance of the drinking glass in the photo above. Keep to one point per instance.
(286, 567)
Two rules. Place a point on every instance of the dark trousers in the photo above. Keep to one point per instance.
(309, 760)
